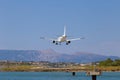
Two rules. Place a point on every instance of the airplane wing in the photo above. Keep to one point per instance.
(45, 38)
(75, 39)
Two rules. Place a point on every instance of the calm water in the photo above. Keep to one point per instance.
(55, 76)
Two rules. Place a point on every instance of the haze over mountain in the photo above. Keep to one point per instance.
(51, 56)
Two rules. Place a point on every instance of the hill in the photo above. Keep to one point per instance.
(51, 56)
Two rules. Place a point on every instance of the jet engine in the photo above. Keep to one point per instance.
(54, 41)
(68, 42)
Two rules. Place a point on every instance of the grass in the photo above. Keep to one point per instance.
(28, 68)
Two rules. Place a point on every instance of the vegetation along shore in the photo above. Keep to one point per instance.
(44, 66)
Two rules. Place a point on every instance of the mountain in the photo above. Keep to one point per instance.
(51, 56)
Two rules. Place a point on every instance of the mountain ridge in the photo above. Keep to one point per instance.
(51, 56)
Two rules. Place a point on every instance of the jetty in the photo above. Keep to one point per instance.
(94, 74)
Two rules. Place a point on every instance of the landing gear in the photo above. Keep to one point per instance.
(67, 43)
(56, 43)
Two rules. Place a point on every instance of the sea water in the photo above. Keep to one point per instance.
(56, 76)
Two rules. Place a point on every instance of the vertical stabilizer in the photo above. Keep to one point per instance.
(64, 30)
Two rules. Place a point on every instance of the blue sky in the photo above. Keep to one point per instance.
(23, 22)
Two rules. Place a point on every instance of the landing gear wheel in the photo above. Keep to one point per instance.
(56, 43)
(67, 43)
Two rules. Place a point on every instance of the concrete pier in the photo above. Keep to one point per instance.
(90, 73)
(94, 77)
(73, 73)
(94, 74)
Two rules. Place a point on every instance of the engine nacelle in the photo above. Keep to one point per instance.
(68, 41)
(54, 41)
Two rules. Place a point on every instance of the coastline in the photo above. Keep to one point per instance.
(39, 69)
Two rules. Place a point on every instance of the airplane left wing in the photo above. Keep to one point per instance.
(75, 39)
(47, 38)
(53, 40)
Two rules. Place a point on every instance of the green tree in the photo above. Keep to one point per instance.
(117, 62)
(107, 62)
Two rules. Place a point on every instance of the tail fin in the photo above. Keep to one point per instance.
(64, 30)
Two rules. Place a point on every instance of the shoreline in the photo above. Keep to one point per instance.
(53, 70)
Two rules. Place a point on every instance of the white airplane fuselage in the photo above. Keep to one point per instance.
(62, 38)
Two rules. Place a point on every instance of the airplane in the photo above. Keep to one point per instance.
(63, 38)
